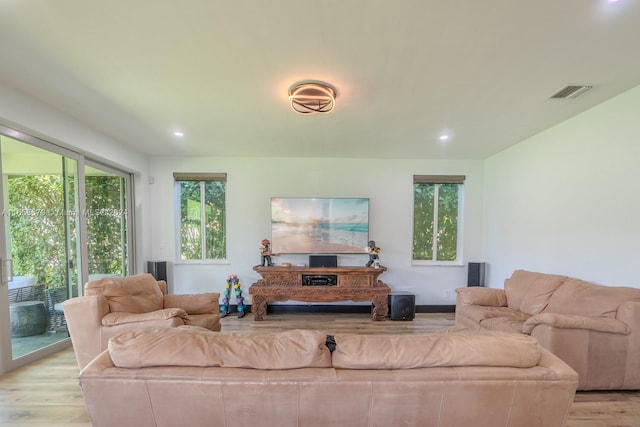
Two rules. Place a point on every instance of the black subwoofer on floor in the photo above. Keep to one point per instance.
(402, 306)
(158, 269)
(477, 271)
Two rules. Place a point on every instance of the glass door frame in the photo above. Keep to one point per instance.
(7, 362)
(130, 242)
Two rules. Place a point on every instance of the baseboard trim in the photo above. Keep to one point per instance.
(435, 308)
(321, 308)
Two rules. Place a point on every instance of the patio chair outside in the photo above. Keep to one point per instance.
(55, 297)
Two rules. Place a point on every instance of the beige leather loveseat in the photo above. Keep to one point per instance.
(190, 377)
(112, 305)
(595, 329)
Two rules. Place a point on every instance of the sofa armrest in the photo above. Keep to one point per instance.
(488, 297)
(204, 303)
(162, 284)
(570, 321)
(83, 316)
(118, 318)
(629, 313)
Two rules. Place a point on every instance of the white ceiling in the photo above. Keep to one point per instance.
(405, 70)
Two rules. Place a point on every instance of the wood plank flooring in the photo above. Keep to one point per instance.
(46, 393)
(43, 393)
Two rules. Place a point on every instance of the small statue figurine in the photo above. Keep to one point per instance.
(373, 251)
(265, 253)
(233, 285)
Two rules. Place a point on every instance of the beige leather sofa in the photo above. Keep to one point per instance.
(595, 329)
(192, 377)
(112, 305)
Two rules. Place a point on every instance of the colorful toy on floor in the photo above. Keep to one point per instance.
(233, 286)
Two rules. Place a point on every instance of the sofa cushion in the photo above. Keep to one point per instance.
(188, 346)
(119, 317)
(478, 313)
(529, 291)
(435, 349)
(132, 294)
(205, 303)
(505, 323)
(586, 299)
(207, 321)
(488, 297)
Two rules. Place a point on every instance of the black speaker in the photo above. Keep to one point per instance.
(158, 269)
(476, 274)
(402, 306)
(323, 260)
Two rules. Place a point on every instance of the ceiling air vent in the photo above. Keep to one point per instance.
(570, 92)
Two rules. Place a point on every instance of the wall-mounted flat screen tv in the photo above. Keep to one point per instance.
(319, 225)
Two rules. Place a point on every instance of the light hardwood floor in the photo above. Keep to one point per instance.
(46, 393)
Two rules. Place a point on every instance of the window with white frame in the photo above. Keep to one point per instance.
(437, 209)
(201, 216)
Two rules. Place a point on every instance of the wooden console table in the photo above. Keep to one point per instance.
(319, 284)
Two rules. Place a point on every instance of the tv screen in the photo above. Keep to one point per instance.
(319, 225)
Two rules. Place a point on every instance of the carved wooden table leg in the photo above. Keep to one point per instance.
(380, 307)
(259, 306)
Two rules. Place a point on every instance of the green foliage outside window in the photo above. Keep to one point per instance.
(435, 223)
(37, 228)
(202, 225)
(40, 232)
(423, 206)
(106, 224)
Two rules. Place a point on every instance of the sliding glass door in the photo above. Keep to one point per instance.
(65, 220)
(40, 250)
(107, 217)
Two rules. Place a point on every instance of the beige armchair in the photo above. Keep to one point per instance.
(112, 305)
(595, 329)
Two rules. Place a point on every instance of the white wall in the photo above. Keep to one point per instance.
(251, 182)
(31, 117)
(563, 201)
(566, 200)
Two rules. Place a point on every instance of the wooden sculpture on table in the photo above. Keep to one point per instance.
(374, 258)
(266, 254)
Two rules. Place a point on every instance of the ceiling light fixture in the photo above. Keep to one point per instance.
(571, 91)
(312, 97)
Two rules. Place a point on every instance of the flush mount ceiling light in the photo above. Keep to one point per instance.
(312, 97)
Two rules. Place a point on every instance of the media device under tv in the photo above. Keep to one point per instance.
(312, 225)
(323, 261)
(319, 279)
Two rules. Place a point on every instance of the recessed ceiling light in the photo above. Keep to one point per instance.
(444, 137)
(178, 133)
